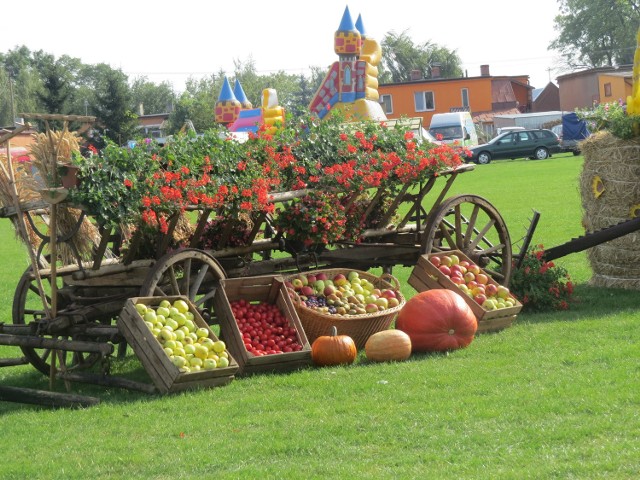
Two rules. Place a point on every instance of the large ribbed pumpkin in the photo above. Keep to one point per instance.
(437, 320)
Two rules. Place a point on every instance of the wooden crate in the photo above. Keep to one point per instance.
(164, 374)
(426, 276)
(267, 288)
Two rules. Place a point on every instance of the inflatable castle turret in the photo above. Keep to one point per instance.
(351, 85)
(234, 110)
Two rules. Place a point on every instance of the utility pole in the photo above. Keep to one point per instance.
(11, 74)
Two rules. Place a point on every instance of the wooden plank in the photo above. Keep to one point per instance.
(46, 398)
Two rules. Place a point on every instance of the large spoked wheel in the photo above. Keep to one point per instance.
(27, 308)
(189, 272)
(469, 223)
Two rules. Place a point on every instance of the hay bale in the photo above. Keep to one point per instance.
(609, 190)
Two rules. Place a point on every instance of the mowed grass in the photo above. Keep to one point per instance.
(554, 396)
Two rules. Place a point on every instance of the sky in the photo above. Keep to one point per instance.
(173, 41)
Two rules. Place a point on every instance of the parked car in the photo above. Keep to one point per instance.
(532, 143)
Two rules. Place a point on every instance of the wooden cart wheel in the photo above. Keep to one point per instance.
(470, 223)
(28, 308)
(189, 272)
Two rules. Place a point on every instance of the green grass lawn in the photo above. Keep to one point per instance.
(553, 396)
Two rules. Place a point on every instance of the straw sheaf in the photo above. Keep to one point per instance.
(614, 164)
(48, 150)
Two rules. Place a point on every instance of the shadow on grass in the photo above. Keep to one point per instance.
(589, 303)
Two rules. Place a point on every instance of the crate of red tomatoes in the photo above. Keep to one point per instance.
(493, 304)
(260, 326)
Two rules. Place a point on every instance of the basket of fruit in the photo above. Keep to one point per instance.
(493, 304)
(174, 344)
(357, 303)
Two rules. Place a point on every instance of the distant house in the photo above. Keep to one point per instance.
(153, 126)
(482, 96)
(546, 99)
(585, 88)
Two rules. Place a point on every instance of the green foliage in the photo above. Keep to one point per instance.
(153, 97)
(613, 117)
(541, 285)
(400, 56)
(596, 33)
(117, 121)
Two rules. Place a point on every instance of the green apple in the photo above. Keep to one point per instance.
(179, 361)
(189, 348)
(141, 308)
(219, 346)
(223, 362)
(202, 332)
(181, 305)
(165, 303)
(190, 325)
(172, 323)
(149, 325)
(180, 318)
(189, 315)
(195, 361)
(201, 351)
(164, 311)
(168, 351)
(207, 342)
(209, 364)
(150, 316)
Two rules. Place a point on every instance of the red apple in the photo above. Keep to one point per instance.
(468, 277)
(457, 280)
(473, 268)
(480, 298)
(482, 279)
(464, 263)
(445, 270)
(435, 260)
(311, 279)
(445, 260)
(388, 293)
(307, 290)
(339, 279)
(491, 289)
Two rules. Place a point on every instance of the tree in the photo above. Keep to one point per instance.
(400, 56)
(56, 90)
(113, 98)
(153, 98)
(596, 33)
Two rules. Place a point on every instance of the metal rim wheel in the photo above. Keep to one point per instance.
(189, 272)
(484, 158)
(470, 223)
(28, 308)
(541, 153)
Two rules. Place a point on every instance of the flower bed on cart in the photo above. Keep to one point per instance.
(341, 176)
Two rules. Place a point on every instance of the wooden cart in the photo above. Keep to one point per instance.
(72, 309)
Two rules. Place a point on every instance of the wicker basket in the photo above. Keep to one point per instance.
(358, 327)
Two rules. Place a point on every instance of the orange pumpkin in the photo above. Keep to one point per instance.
(333, 349)
(388, 345)
(437, 320)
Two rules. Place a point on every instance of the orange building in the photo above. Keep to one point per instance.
(483, 96)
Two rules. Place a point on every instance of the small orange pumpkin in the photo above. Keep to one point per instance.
(437, 320)
(333, 349)
(388, 345)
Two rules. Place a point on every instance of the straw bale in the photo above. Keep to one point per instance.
(616, 163)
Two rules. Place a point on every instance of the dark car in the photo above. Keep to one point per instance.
(534, 143)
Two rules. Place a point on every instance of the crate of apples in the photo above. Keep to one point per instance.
(492, 303)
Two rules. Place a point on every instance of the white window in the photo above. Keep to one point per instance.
(465, 97)
(424, 101)
(387, 103)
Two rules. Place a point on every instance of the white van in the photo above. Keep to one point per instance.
(454, 127)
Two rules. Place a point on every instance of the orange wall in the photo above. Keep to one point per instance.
(620, 89)
(447, 95)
